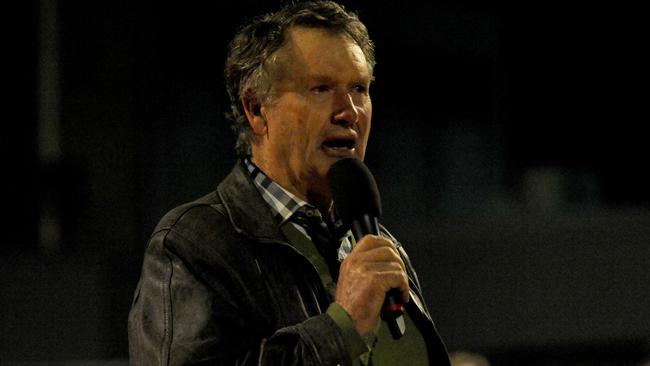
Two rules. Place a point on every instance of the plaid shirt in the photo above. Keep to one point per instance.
(285, 204)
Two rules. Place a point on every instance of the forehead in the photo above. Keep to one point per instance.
(315, 52)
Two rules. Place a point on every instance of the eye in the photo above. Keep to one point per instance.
(360, 88)
(320, 88)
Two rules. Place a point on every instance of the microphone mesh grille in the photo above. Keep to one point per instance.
(354, 190)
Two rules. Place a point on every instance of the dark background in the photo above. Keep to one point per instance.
(508, 142)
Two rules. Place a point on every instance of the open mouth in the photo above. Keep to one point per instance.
(340, 143)
(339, 147)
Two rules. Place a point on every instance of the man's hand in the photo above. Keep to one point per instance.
(373, 268)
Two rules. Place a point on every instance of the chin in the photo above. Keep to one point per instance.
(320, 196)
(317, 176)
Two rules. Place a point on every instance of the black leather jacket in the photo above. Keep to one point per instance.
(220, 285)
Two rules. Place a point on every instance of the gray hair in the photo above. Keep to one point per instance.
(254, 48)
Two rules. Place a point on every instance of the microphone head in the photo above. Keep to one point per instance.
(354, 190)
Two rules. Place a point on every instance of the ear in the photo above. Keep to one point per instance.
(253, 110)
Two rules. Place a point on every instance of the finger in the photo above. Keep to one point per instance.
(368, 242)
(384, 274)
(380, 254)
(396, 279)
(385, 267)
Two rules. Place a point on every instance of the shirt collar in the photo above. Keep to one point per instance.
(283, 203)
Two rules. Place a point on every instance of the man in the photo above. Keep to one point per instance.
(251, 273)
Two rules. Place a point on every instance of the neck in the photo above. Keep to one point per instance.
(319, 197)
(322, 202)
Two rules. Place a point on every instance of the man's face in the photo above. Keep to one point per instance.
(320, 113)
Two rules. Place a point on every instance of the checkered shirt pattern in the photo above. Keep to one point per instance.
(285, 204)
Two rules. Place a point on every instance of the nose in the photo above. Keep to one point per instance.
(345, 112)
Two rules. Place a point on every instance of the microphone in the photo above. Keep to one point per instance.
(358, 205)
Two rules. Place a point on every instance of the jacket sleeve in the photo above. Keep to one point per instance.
(178, 318)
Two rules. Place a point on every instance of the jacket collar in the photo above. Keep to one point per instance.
(249, 214)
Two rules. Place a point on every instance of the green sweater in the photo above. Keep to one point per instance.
(379, 349)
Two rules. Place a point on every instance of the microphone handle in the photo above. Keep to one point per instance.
(364, 225)
(393, 310)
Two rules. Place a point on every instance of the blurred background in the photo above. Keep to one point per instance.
(508, 143)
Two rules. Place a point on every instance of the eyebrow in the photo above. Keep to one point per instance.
(328, 79)
(320, 78)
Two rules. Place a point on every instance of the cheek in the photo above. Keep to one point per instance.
(364, 127)
(293, 140)
(365, 123)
